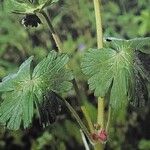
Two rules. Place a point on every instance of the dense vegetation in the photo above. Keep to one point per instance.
(75, 24)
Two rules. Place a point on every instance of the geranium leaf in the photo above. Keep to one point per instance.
(16, 87)
(51, 73)
(10, 82)
(24, 89)
(114, 68)
(92, 64)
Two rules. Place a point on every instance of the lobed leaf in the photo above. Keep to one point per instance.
(25, 88)
(112, 69)
(16, 97)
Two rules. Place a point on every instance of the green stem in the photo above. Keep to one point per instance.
(101, 104)
(60, 48)
(88, 119)
(98, 23)
(100, 115)
(100, 119)
(98, 146)
(53, 32)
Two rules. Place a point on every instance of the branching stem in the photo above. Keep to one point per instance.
(60, 48)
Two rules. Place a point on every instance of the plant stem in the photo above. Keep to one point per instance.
(60, 48)
(88, 119)
(100, 115)
(98, 146)
(100, 121)
(97, 4)
(101, 104)
(53, 32)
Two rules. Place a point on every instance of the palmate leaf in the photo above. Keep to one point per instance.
(27, 6)
(25, 88)
(113, 68)
(104, 67)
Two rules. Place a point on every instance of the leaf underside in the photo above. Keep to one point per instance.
(25, 88)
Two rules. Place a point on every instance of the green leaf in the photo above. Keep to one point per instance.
(17, 96)
(27, 6)
(119, 90)
(10, 82)
(114, 69)
(52, 74)
(109, 68)
(23, 89)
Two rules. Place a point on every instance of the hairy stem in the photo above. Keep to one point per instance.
(98, 146)
(60, 48)
(53, 32)
(101, 104)
(100, 115)
(98, 23)
(88, 119)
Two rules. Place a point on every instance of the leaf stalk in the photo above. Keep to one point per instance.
(53, 32)
(60, 49)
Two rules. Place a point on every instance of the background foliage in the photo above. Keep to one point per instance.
(75, 23)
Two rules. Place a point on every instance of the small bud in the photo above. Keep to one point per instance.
(102, 135)
(31, 20)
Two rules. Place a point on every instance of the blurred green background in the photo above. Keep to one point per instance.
(75, 23)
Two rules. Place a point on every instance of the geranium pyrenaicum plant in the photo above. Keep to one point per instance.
(113, 69)
(40, 87)
(27, 6)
